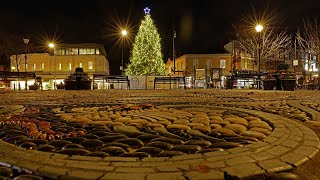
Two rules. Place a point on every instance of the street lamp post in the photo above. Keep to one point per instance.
(124, 34)
(51, 45)
(259, 28)
(26, 41)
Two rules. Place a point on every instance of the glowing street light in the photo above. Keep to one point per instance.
(51, 45)
(259, 28)
(26, 41)
(124, 33)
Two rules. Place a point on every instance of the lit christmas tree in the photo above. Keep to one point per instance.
(146, 56)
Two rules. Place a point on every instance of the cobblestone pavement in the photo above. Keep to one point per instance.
(291, 144)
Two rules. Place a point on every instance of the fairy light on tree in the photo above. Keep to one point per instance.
(146, 56)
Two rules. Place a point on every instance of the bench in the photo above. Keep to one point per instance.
(118, 79)
(169, 80)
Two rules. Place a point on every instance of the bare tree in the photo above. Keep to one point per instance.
(309, 40)
(273, 40)
(12, 47)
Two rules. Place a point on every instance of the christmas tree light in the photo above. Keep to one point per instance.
(146, 56)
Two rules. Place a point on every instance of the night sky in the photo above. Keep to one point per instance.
(202, 26)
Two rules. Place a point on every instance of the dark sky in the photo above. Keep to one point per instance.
(203, 26)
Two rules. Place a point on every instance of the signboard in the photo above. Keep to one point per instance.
(215, 73)
(200, 74)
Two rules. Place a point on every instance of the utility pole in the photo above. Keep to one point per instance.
(173, 52)
(26, 41)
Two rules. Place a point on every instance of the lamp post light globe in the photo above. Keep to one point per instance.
(51, 45)
(124, 33)
(259, 28)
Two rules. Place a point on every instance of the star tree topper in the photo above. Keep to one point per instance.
(146, 10)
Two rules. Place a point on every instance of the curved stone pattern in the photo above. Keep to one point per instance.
(290, 144)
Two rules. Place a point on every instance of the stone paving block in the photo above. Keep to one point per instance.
(166, 176)
(128, 164)
(165, 163)
(262, 156)
(85, 158)
(278, 125)
(217, 164)
(307, 151)
(264, 148)
(311, 137)
(52, 172)
(295, 159)
(121, 159)
(155, 159)
(234, 155)
(215, 153)
(239, 149)
(192, 161)
(290, 143)
(186, 157)
(169, 169)
(90, 166)
(297, 133)
(134, 170)
(59, 156)
(274, 165)
(270, 139)
(279, 130)
(278, 150)
(281, 140)
(257, 144)
(75, 174)
(213, 174)
(243, 170)
(124, 176)
(216, 158)
(311, 143)
(239, 160)
(54, 163)
(277, 134)
(295, 138)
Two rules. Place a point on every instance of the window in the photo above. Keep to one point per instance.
(60, 66)
(26, 66)
(42, 65)
(195, 63)
(60, 51)
(90, 66)
(72, 51)
(97, 51)
(222, 63)
(80, 65)
(34, 66)
(82, 51)
(209, 63)
(70, 66)
(86, 50)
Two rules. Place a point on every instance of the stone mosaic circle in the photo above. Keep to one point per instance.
(132, 130)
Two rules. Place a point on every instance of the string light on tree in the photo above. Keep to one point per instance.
(146, 56)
